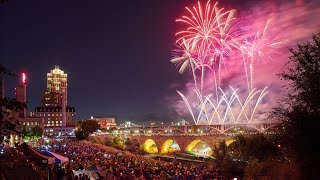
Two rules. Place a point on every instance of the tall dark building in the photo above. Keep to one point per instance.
(21, 95)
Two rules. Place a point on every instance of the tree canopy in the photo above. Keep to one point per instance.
(8, 124)
(299, 111)
(86, 128)
(33, 133)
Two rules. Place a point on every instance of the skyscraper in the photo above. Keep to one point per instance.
(59, 119)
(56, 88)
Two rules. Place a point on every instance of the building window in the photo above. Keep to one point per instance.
(49, 119)
(60, 122)
(48, 114)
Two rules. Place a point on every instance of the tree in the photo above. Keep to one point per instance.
(80, 135)
(89, 126)
(31, 134)
(299, 111)
(258, 146)
(8, 124)
(86, 128)
(245, 153)
(132, 145)
(253, 169)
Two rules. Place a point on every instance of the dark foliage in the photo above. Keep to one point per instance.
(8, 124)
(299, 111)
(86, 128)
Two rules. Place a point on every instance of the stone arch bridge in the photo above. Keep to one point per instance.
(182, 140)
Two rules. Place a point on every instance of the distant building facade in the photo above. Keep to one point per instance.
(52, 115)
(32, 121)
(105, 123)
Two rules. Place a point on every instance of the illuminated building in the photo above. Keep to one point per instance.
(21, 95)
(53, 116)
(59, 119)
(32, 121)
(53, 119)
(105, 123)
(56, 88)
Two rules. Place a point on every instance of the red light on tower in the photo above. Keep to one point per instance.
(23, 78)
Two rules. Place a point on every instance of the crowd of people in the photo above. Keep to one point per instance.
(83, 156)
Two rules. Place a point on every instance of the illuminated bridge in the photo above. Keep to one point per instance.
(198, 140)
(201, 145)
(261, 127)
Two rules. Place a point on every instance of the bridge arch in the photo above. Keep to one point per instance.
(150, 147)
(272, 127)
(241, 126)
(170, 146)
(199, 148)
(215, 130)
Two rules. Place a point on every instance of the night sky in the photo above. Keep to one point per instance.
(116, 53)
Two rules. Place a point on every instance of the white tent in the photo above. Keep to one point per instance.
(58, 158)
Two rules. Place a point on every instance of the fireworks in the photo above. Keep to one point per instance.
(223, 111)
(210, 38)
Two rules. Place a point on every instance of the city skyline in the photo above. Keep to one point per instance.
(116, 54)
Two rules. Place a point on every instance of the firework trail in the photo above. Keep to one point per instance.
(260, 48)
(210, 35)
